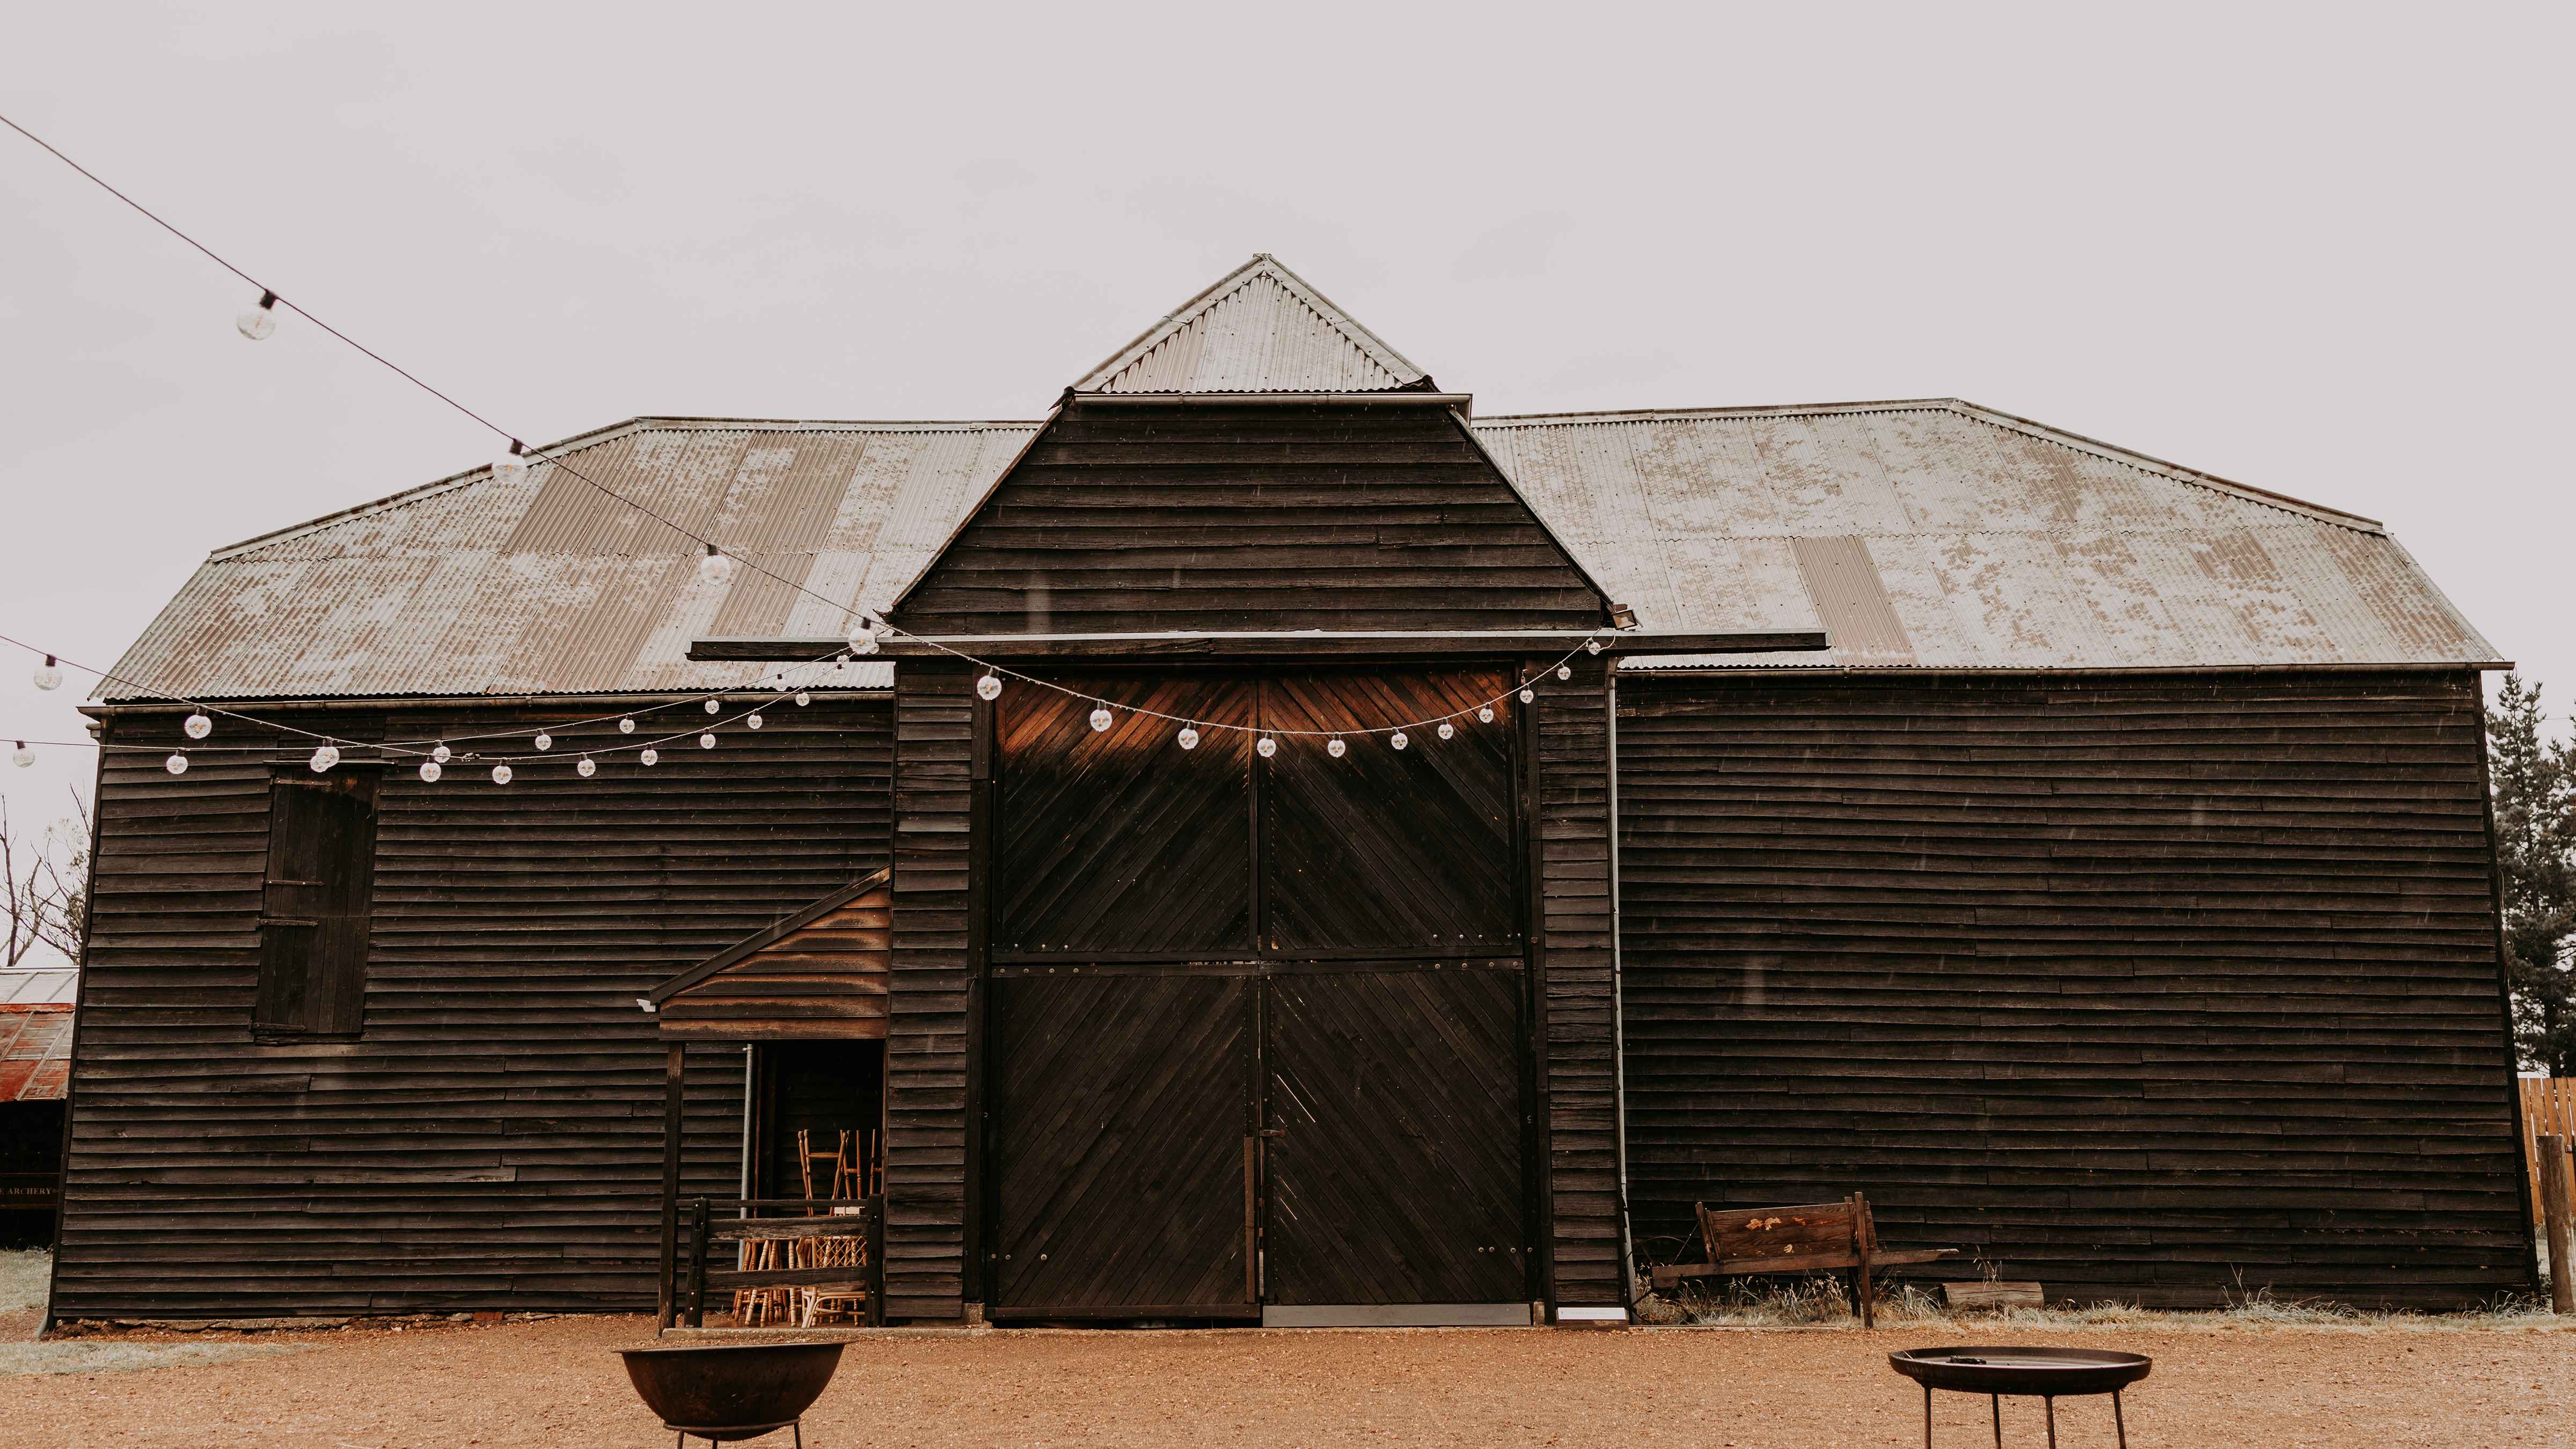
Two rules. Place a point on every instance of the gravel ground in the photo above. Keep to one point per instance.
(555, 1382)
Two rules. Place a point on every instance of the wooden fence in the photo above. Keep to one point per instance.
(722, 1227)
(2548, 1106)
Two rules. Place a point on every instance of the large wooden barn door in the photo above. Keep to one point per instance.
(1258, 1023)
(1120, 1108)
(1394, 1138)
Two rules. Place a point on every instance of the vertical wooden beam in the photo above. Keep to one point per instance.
(2554, 1212)
(929, 992)
(2475, 686)
(674, 1084)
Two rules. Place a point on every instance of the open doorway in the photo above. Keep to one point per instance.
(818, 1119)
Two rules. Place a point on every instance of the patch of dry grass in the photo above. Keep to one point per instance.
(23, 1273)
(93, 1356)
(1823, 1301)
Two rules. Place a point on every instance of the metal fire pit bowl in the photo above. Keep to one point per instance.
(732, 1390)
(2046, 1373)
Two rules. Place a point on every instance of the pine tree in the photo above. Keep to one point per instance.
(2534, 780)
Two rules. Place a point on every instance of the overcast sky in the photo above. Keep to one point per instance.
(2322, 251)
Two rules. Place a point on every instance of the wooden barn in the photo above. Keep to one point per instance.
(2086, 858)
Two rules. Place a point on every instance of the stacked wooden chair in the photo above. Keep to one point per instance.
(1822, 1237)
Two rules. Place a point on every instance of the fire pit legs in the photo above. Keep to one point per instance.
(1998, 1401)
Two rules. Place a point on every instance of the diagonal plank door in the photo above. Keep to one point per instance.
(1394, 1137)
(1118, 840)
(1386, 848)
(1120, 1104)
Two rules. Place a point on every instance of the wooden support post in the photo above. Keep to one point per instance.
(875, 1221)
(672, 1082)
(2554, 1217)
(698, 1249)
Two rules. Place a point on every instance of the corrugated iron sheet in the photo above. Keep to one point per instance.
(1259, 329)
(549, 586)
(35, 1053)
(41, 986)
(1932, 533)
(1940, 534)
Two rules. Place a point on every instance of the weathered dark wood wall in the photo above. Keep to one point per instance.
(932, 992)
(1327, 516)
(2156, 988)
(494, 1140)
(825, 978)
(1573, 928)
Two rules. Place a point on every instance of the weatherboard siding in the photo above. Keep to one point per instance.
(1217, 518)
(2154, 989)
(494, 1139)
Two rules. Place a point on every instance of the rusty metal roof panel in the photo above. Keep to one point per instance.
(1261, 328)
(1941, 534)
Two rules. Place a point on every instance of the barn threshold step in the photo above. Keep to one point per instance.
(1395, 1315)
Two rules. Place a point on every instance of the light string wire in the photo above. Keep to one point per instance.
(405, 748)
(851, 610)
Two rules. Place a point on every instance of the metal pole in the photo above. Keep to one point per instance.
(746, 1130)
(1618, 1004)
(2552, 1150)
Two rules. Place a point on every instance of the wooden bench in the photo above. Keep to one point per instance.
(1812, 1238)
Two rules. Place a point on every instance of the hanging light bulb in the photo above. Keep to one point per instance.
(803, 698)
(715, 568)
(863, 638)
(988, 687)
(651, 757)
(1565, 671)
(1528, 694)
(198, 726)
(176, 764)
(511, 466)
(586, 768)
(24, 757)
(324, 758)
(706, 742)
(49, 675)
(1398, 741)
(752, 720)
(1189, 738)
(713, 706)
(430, 771)
(1267, 746)
(544, 741)
(257, 322)
(1335, 748)
(1447, 729)
(500, 774)
(1591, 646)
(1100, 718)
(440, 753)
(1485, 714)
(626, 727)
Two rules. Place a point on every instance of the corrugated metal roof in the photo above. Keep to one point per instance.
(1931, 533)
(1941, 534)
(36, 1034)
(39, 986)
(1259, 329)
(472, 586)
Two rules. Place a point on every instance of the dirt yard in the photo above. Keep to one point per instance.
(556, 1383)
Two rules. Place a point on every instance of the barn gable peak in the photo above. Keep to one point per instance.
(1259, 329)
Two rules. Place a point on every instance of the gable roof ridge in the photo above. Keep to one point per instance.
(1263, 264)
(545, 454)
(1975, 412)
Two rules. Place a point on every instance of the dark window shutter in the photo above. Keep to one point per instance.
(315, 915)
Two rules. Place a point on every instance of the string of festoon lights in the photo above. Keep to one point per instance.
(867, 630)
